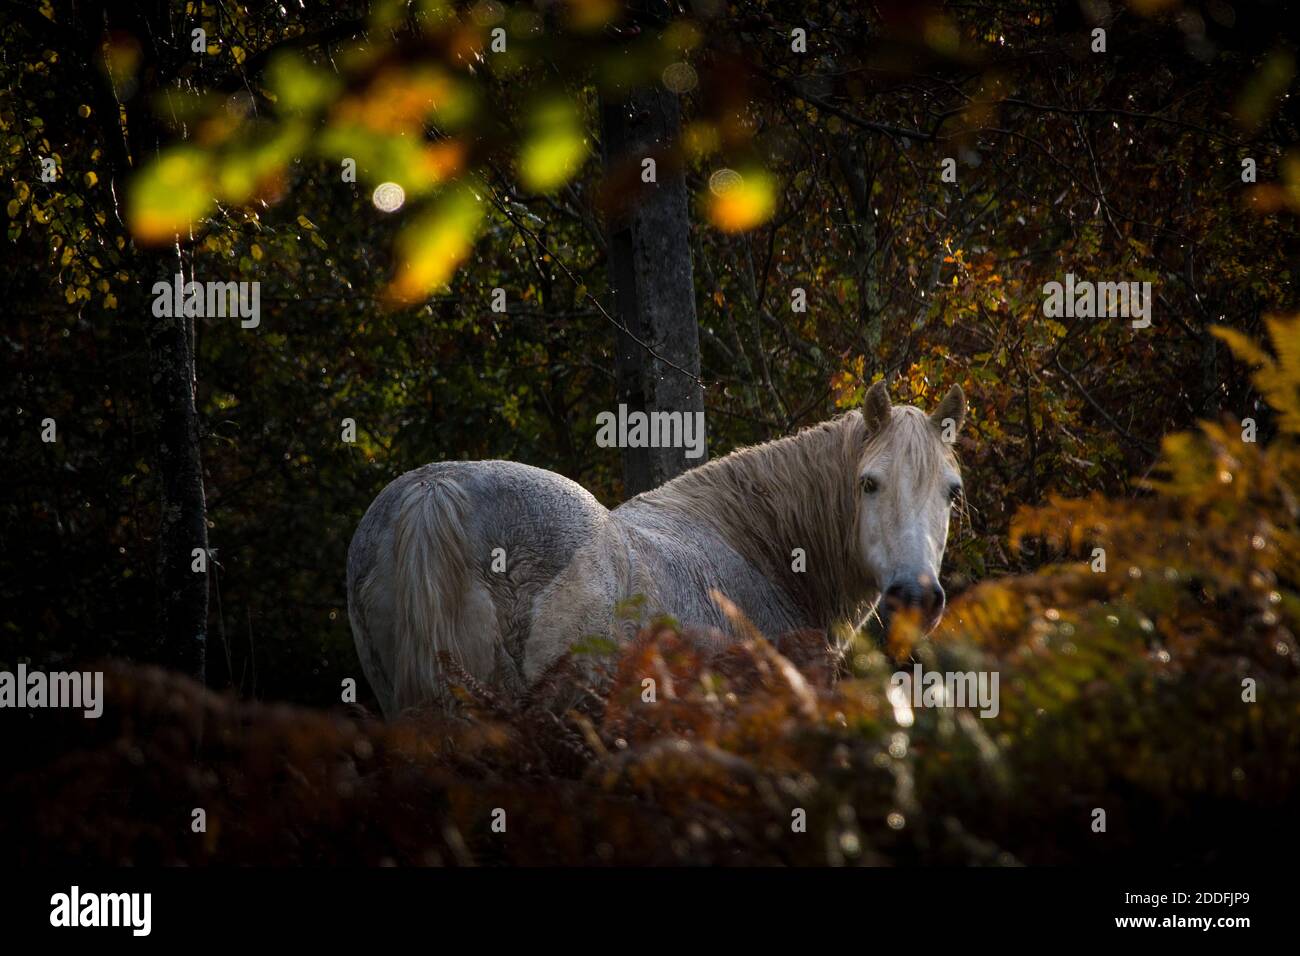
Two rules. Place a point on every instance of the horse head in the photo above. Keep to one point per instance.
(908, 483)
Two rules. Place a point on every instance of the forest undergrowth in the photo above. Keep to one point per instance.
(1147, 685)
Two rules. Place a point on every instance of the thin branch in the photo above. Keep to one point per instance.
(523, 229)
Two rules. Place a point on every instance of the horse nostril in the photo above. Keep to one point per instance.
(900, 596)
(923, 595)
(933, 598)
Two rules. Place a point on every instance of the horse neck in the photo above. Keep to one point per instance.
(796, 492)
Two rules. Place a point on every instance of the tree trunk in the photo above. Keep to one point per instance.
(182, 591)
(650, 271)
(850, 154)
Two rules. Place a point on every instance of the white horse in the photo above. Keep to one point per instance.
(503, 567)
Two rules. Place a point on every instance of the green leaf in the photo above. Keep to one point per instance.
(555, 149)
(170, 194)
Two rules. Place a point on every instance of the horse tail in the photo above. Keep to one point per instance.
(432, 580)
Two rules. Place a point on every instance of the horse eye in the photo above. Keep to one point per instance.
(954, 494)
(869, 485)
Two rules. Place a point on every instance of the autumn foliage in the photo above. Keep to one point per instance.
(1126, 557)
(1123, 690)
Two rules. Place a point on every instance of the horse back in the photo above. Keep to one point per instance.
(679, 561)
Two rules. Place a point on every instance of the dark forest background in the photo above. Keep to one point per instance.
(808, 143)
(1123, 165)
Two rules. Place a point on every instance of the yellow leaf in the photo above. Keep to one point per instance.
(742, 201)
(1243, 347)
(296, 84)
(1285, 334)
(591, 15)
(433, 246)
(169, 195)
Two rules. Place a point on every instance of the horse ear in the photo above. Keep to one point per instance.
(952, 408)
(875, 407)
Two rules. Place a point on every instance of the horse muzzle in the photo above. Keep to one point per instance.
(921, 597)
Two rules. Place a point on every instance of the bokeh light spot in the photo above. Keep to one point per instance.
(388, 197)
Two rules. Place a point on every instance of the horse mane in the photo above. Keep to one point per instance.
(802, 492)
